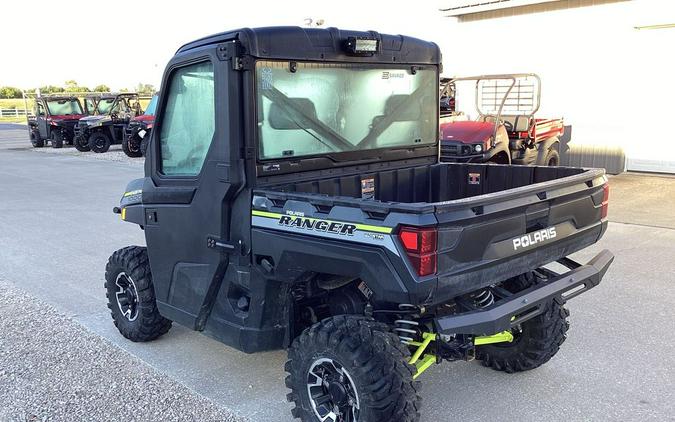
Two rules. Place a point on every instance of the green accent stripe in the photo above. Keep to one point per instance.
(133, 192)
(363, 227)
(265, 214)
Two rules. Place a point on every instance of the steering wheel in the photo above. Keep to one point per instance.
(507, 125)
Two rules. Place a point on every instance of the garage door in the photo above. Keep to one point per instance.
(650, 101)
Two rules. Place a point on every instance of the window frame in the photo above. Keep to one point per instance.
(157, 175)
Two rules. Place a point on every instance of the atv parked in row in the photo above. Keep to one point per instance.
(106, 127)
(54, 119)
(137, 133)
(506, 130)
(293, 198)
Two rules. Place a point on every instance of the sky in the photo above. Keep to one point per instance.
(131, 41)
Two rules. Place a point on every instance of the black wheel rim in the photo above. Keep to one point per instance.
(99, 142)
(332, 392)
(133, 145)
(127, 296)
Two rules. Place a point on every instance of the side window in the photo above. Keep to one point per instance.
(188, 123)
(40, 109)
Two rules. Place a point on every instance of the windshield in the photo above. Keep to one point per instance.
(150, 110)
(90, 104)
(104, 105)
(328, 108)
(64, 107)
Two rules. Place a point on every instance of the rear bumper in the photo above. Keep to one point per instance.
(518, 308)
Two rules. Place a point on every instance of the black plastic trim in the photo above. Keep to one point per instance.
(529, 303)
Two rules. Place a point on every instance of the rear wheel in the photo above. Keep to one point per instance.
(535, 342)
(57, 139)
(131, 147)
(131, 295)
(99, 142)
(350, 368)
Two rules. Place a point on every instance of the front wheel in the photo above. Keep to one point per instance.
(351, 368)
(99, 142)
(535, 342)
(131, 147)
(131, 295)
(35, 139)
(144, 144)
(81, 144)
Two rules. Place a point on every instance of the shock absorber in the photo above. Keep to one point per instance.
(407, 329)
(483, 298)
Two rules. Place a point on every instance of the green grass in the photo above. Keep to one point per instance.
(20, 119)
(15, 103)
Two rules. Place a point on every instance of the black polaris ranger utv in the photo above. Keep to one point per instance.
(294, 199)
(108, 124)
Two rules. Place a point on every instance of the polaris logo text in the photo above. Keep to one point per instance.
(533, 238)
(318, 225)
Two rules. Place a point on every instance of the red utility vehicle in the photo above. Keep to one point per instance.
(137, 132)
(53, 119)
(505, 131)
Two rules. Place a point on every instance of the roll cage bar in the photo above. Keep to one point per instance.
(527, 95)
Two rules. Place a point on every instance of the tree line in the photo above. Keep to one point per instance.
(70, 86)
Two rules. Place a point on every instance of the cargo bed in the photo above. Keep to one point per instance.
(479, 209)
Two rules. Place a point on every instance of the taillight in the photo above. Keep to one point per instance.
(523, 135)
(420, 245)
(605, 201)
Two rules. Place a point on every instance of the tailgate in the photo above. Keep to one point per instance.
(488, 238)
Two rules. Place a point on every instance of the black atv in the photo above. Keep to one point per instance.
(54, 119)
(106, 127)
(293, 198)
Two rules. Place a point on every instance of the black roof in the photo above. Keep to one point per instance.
(56, 97)
(113, 95)
(296, 43)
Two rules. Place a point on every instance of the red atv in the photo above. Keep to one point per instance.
(137, 133)
(53, 120)
(506, 131)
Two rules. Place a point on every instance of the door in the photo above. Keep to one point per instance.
(186, 197)
(41, 118)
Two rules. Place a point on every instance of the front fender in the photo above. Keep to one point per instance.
(131, 203)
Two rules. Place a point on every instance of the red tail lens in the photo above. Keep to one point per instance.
(409, 240)
(523, 135)
(420, 244)
(605, 201)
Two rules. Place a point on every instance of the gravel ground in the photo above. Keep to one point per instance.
(115, 153)
(52, 369)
